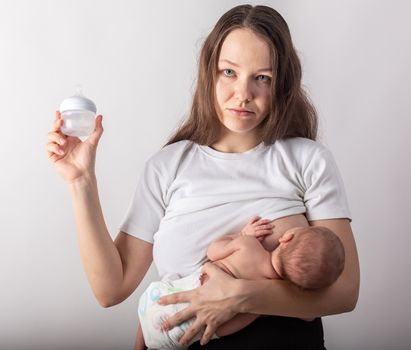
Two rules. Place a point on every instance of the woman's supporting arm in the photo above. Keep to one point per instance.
(113, 269)
(222, 297)
(277, 297)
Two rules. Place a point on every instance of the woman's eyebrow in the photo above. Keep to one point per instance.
(236, 65)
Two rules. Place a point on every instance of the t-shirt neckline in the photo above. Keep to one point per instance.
(225, 155)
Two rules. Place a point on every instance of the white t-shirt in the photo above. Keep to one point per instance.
(190, 194)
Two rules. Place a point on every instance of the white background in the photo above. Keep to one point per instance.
(137, 61)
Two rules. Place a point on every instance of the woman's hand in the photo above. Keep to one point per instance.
(72, 157)
(212, 304)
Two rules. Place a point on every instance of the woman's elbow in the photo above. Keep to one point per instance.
(350, 298)
(353, 301)
(107, 301)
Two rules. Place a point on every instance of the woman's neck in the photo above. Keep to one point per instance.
(236, 143)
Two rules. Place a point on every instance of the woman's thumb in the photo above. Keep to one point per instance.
(98, 131)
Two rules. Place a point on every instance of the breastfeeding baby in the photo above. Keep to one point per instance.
(310, 257)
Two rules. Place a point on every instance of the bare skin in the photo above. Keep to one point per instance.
(115, 268)
(223, 296)
(243, 255)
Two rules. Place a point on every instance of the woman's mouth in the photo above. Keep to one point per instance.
(241, 112)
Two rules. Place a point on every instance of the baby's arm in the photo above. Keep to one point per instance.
(258, 228)
(226, 245)
(222, 247)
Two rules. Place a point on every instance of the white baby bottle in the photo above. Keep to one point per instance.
(78, 113)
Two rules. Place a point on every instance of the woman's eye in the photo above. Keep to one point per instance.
(228, 72)
(263, 78)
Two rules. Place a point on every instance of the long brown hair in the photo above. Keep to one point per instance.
(292, 113)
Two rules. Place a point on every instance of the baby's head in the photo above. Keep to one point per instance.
(310, 257)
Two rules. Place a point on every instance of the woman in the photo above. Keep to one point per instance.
(246, 149)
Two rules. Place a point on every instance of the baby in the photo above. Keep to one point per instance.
(310, 257)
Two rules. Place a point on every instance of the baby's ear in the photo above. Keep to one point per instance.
(286, 237)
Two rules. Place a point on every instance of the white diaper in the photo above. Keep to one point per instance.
(152, 315)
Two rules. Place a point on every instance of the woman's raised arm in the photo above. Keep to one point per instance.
(114, 269)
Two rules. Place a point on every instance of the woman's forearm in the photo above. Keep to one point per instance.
(278, 297)
(100, 257)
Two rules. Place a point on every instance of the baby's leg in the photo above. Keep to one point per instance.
(237, 323)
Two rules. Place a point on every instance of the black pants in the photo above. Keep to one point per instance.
(272, 332)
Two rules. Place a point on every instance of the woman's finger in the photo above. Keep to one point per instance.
(98, 131)
(54, 157)
(56, 138)
(55, 149)
(178, 318)
(174, 298)
(207, 335)
(190, 333)
(58, 123)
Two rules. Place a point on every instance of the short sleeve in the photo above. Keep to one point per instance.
(146, 208)
(325, 196)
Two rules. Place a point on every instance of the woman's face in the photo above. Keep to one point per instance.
(243, 84)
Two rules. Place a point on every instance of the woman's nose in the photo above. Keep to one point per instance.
(243, 90)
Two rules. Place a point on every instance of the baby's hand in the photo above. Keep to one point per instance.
(258, 228)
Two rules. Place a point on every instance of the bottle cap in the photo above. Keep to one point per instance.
(77, 101)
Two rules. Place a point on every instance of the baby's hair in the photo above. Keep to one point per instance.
(313, 259)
